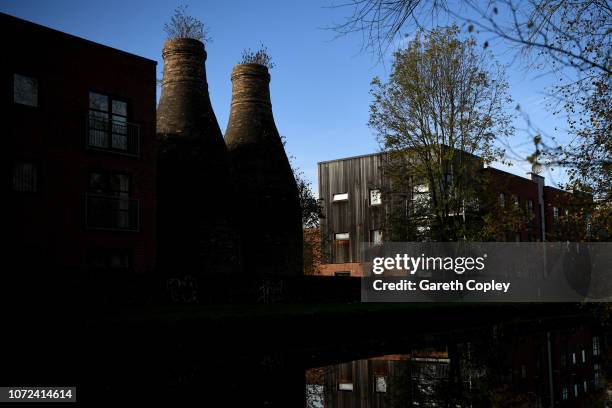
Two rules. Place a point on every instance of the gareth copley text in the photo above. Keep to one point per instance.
(426, 285)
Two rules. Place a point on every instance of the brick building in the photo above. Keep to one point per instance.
(80, 126)
(355, 207)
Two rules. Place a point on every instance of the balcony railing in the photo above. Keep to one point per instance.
(113, 136)
(111, 213)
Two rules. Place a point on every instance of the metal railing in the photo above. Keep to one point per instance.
(111, 213)
(112, 136)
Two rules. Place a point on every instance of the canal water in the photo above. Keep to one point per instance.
(449, 357)
(552, 364)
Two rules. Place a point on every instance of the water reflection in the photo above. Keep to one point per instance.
(538, 365)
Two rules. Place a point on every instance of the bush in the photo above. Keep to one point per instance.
(182, 25)
(260, 57)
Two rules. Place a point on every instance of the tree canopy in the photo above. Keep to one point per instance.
(438, 115)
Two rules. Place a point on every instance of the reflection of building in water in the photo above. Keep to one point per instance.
(572, 376)
(379, 381)
(560, 368)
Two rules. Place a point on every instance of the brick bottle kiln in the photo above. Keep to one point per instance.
(270, 215)
(194, 191)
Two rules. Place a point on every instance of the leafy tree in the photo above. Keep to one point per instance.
(588, 157)
(312, 212)
(569, 39)
(443, 105)
(311, 206)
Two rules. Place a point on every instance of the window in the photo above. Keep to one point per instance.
(108, 202)
(448, 179)
(563, 354)
(589, 225)
(108, 127)
(376, 237)
(342, 273)
(341, 236)
(113, 184)
(530, 208)
(596, 349)
(421, 188)
(583, 356)
(25, 177)
(111, 258)
(447, 183)
(345, 386)
(573, 358)
(564, 394)
(555, 214)
(515, 201)
(420, 197)
(25, 90)
(502, 200)
(575, 390)
(597, 374)
(380, 383)
(523, 371)
(375, 197)
(584, 386)
(119, 260)
(340, 197)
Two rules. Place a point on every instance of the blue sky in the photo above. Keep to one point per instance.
(320, 85)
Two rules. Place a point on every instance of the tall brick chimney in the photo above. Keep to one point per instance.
(195, 231)
(271, 221)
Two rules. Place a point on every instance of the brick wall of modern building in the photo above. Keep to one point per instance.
(50, 226)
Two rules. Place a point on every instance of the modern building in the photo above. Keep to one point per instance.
(79, 130)
(356, 209)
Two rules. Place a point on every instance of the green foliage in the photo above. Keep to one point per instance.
(569, 40)
(443, 105)
(581, 48)
(312, 208)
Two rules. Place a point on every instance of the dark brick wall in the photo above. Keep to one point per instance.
(195, 196)
(270, 214)
(514, 186)
(48, 227)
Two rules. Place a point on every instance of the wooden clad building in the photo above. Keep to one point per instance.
(357, 205)
(350, 190)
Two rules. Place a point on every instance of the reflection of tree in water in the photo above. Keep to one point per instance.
(428, 381)
(315, 387)
(509, 365)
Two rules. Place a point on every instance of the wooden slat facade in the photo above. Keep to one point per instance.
(355, 176)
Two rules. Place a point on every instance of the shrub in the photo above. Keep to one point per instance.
(182, 25)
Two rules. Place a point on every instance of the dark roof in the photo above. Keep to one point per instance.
(485, 169)
(351, 157)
